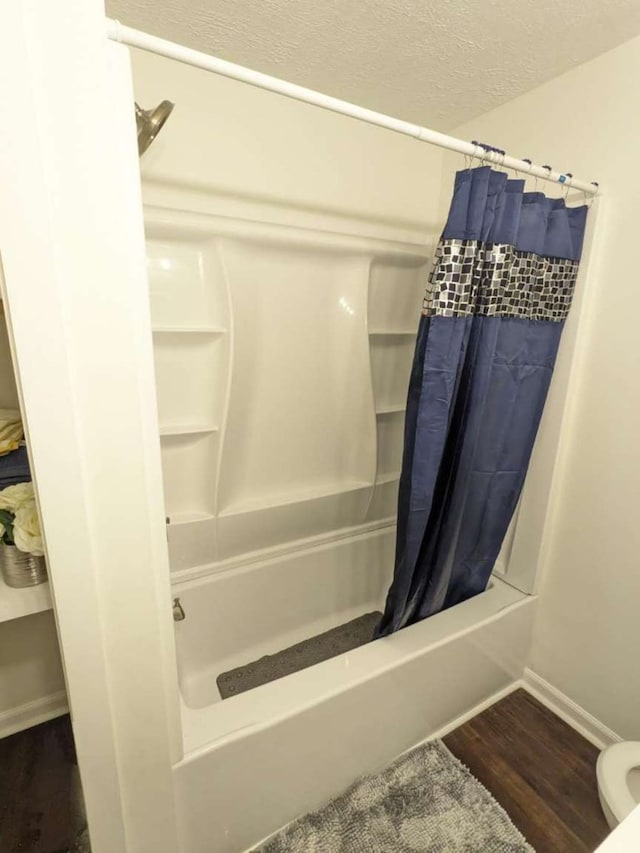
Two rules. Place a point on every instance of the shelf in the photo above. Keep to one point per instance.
(390, 410)
(187, 429)
(387, 478)
(393, 333)
(188, 330)
(273, 501)
(179, 518)
(15, 603)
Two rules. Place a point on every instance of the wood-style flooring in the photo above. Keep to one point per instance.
(539, 769)
(41, 808)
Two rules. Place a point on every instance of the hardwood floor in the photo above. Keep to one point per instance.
(41, 808)
(540, 771)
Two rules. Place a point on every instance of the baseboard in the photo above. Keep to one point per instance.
(582, 721)
(473, 712)
(31, 713)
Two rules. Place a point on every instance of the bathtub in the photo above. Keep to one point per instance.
(255, 761)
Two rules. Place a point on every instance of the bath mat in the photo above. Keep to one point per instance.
(425, 801)
(321, 647)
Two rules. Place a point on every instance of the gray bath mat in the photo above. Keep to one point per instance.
(425, 801)
(322, 647)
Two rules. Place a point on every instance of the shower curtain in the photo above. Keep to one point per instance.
(493, 313)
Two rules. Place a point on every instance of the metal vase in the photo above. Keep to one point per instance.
(20, 569)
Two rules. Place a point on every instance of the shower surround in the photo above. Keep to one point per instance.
(282, 361)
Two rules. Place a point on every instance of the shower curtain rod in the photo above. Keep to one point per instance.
(136, 38)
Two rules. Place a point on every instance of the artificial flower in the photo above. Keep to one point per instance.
(26, 530)
(13, 497)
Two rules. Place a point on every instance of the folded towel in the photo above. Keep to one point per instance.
(14, 468)
(11, 431)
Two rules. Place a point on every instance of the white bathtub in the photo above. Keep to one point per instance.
(257, 760)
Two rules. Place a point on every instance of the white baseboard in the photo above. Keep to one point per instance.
(473, 712)
(582, 721)
(31, 713)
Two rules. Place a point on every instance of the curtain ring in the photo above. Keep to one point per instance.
(528, 171)
(473, 156)
(468, 158)
(495, 154)
(588, 200)
(568, 176)
(515, 170)
(483, 156)
(535, 177)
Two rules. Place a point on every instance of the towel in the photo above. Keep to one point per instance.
(14, 468)
(11, 431)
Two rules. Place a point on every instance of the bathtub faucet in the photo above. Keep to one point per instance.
(178, 612)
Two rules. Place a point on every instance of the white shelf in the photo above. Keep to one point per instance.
(272, 501)
(390, 410)
(387, 478)
(393, 333)
(188, 518)
(188, 330)
(15, 603)
(187, 429)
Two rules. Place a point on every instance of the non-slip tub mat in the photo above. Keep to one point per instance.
(327, 645)
(426, 801)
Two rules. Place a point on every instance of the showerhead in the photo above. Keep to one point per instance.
(150, 122)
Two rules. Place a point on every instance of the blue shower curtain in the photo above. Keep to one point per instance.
(493, 313)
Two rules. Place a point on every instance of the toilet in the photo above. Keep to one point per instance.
(618, 774)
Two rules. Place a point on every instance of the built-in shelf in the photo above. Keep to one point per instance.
(392, 333)
(387, 478)
(391, 410)
(15, 603)
(275, 500)
(178, 518)
(188, 330)
(187, 429)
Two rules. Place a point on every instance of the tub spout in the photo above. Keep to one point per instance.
(178, 612)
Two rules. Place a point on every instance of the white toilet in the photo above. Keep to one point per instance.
(618, 773)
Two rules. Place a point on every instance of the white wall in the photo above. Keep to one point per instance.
(30, 669)
(8, 390)
(234, 146)
(588, 628)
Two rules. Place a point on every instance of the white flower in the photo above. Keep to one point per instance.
(13, 497)
(26, 530)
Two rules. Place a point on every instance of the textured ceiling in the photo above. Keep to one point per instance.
(434, 62)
